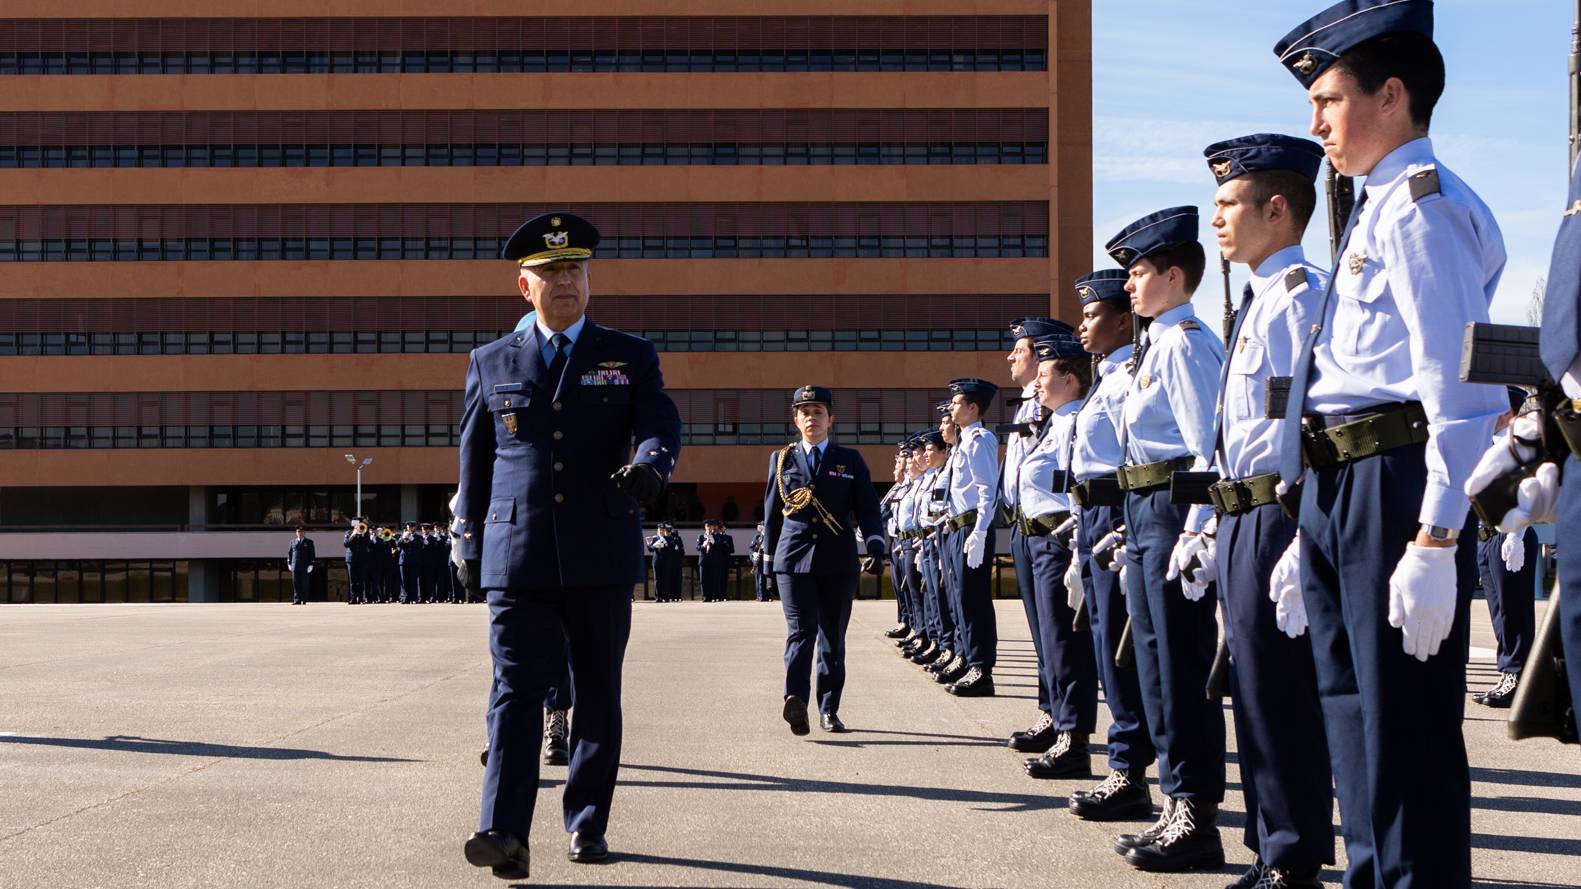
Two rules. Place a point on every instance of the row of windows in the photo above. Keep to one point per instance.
(542, 126)
(66, 438)
(518, 155)
(378, 417)
(69, 581)
(738, 314)
(462, 341)
(509, 62)
(309, 249)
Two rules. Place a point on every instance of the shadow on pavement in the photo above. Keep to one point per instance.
(736, 781)
(818, 877)
(134, 744)
(1520, 776)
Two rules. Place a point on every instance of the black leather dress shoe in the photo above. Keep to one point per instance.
(483, 757)
(586, 849)
(977, 683)
(556, 749)
(502, 852)
(1120, 797)
(1068, 758)
(1190, 842)
(830, 722)
(1125, 842)
(795, 713)
(897, 631)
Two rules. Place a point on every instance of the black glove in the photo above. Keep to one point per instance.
(874, 563)
(640, 481)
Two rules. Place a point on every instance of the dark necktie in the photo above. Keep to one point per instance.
(814, 457)
(561, 343)
(1231, 348)
(1290, 437)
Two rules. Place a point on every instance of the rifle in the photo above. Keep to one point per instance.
(1341, 200)
(1542, 707)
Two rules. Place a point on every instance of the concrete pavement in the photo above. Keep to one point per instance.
(332, 746)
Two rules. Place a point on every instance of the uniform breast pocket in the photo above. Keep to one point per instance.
(498, 532)
(1243, 390)
(1364, 310)
(510, 412)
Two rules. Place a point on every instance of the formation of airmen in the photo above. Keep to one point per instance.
(1307, 481)
(410, 565)
(1312, 477)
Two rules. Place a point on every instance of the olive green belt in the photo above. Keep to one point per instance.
(1043, 525)
(966, 518)
(1327, 444)
(1236, 496)
(1146, 476)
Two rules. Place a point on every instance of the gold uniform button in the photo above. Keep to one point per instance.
(507, 402)
(558, 435)
(559, 498)
(556, 405)
(558, 466)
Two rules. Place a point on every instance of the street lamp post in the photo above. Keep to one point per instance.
(366, 461)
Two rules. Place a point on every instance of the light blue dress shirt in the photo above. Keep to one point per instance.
(1169, 406)
(974, 470)
(1047, 455)
(1097, 422)
(1413, 275)
(546, 338)
(906, 506)
(1017, 446)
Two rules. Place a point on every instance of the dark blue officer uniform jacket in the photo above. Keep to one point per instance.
(803, 542)
(535, 501)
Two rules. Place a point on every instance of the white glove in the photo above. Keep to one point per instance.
(1124, 590)
(310, 569)
(1513, 549)
(1284, 590)
(455, 551)
(1207, 565)
(1505, 453)
(1118, 565)
(1179, 557)
(976, 542)
(1073, 589)
(1422, 598)
(1536, 502)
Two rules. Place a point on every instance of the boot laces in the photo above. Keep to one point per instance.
(1043, 723)
(1061, 745)
(1507, 683)
(1181, 825)
(1272, 878)
(555, 727)
(1116, 782)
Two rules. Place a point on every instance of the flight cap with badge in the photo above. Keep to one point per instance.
(1317, 43)
(1234, 158)
(552, 237)
(973, 386)
(1033, 328)
(1104, 285)
(810, 394)
(1051, 347)
(1162, 230)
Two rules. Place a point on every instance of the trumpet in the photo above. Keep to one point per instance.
(360, 527)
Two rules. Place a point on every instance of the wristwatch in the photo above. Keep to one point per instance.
(1440, 533)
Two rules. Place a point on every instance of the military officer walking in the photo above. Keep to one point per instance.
(548, 516)
(1264, 201)
(299, 561)
(1389, 439)
(817, 490)
(1169, 428)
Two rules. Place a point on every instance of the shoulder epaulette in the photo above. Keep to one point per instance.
(1190, 324)
(1295, 278)
(1425, 184)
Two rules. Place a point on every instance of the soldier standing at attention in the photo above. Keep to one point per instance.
(1106, 334)
(1265, 199)
(973, 480)
(815, 489)
(1168, 428)
(1389, 438)
(548, 512)
(669, 551)
(299, 561)
(715, 550)
(358, 542)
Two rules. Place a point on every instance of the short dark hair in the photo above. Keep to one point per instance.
(982, 401)
(1081, 368)
(1298, 191)
(1187, 257)
(1414, 58)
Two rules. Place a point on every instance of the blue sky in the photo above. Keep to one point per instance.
(1173, 76)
